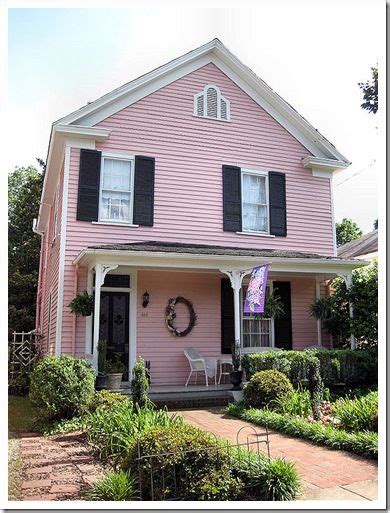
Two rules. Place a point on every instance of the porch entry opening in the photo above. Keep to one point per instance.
(114, 318)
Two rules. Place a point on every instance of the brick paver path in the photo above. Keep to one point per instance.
(339, 472)
(57, 467)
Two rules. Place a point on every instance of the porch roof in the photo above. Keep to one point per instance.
(202, 256)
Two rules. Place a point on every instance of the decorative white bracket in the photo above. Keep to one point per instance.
(236, 276)
(101, 270)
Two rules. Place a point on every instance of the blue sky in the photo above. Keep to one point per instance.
(312, 53)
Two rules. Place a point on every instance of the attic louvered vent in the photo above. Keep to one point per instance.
(211, 104)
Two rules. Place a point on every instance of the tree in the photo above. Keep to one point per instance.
(334, 309)
(370, 92)
(376, 224)
(346, 231)
(24, 193)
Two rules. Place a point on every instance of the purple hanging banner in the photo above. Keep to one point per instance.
(255, 296)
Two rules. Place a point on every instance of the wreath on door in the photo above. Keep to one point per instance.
(171, 315)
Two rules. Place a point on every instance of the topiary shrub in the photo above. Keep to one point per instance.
(61, 387)
(139, 384)
(266, 386)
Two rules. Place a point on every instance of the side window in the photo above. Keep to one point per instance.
(116, 190)
(256, 332)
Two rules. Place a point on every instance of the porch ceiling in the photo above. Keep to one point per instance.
(181, 256)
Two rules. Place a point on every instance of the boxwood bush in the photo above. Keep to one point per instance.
(61, 387)
(266, 386)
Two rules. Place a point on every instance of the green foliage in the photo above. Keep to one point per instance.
(273, 307)
(58, 427)
(375, 226)
(362, 442)
(106, 400)
(358, 414)
(298, 403)
(266, 386)
(102, 355)
(266, 479)
(115, 486)
(24, 192)
(61, 387)
(139, 384)
(370, 92)
(334, 310)
(82, 304)
(346, 231)
(115, 366)
(112, 434)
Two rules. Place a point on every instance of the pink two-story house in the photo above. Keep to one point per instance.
(178, 184)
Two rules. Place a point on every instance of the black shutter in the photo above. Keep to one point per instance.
(283, 325)
(277, 203)
(89, 184)
(231, 185)
(227, 316)
(143, 208)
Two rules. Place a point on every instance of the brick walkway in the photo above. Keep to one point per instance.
(57, 467)
(327, 474)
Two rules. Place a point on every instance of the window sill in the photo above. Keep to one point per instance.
(256, 234)
(108, 223)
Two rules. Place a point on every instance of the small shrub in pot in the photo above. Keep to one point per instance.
(266, 386)
(114, 373)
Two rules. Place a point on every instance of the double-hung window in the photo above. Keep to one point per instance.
(116, 189)
(255, 202)
(257, 333)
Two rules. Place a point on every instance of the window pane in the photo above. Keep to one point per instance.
(254, 189)
(115, 206)
(116, 174)
(254, 217)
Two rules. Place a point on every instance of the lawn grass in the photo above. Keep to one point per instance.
(21, 414)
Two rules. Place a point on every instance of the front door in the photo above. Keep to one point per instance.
(114, 325)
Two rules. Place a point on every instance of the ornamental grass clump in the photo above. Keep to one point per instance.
(266, 386)
(358, 414)
(61, 387)
(115, 486)
(298, 403)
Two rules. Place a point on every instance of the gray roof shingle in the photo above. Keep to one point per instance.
(365, 244)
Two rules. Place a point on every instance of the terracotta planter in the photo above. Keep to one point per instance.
(236, 379)
(114, 381)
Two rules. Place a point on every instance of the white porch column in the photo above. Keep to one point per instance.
(100, 273)
(236, 277)
(348, 282)
(319, 322)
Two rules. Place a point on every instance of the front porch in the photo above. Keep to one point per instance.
(196, 273)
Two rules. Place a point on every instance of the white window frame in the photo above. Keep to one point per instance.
(255, 172)
(245, 350)
(219, 98)
(128, 158)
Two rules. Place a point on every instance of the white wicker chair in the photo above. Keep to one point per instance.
(200, 364)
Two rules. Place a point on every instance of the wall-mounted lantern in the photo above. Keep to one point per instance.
(145, 299)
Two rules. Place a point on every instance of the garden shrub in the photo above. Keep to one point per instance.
(61, 387)
(207, 468)
(112, 434)
(139, 384)
(358, 414)
(266, 386)
(115, 486)
(105, 399)
(364, 443)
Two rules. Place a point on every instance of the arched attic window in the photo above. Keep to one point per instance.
(211, 104)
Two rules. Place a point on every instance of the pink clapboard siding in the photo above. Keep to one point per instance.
(49, 271)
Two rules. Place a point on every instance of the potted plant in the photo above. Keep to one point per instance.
(236, 373)
(114, 373)
(101, 378)
(82, 304)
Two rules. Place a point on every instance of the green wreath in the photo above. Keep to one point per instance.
(171, 315)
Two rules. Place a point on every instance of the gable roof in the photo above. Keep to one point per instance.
(217, 53)
(364, 245)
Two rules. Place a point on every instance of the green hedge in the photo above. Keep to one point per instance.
(364, 443)
(354, 367)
